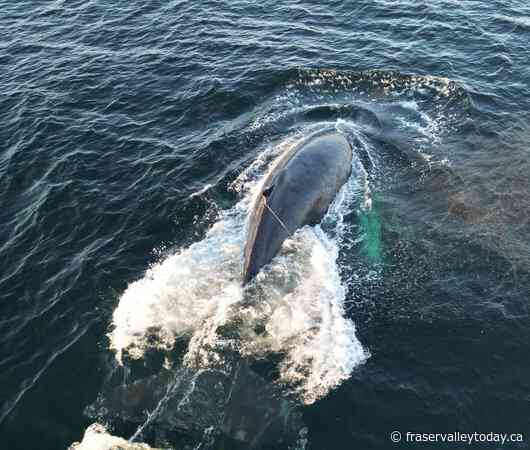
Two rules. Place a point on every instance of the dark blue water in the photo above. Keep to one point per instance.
(132, 134)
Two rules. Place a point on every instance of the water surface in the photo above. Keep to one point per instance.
(134, 135)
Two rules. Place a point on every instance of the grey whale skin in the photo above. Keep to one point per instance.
(299, 189)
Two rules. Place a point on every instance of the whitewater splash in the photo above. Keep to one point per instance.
(98, 438)
(295, 308)
(292, 317)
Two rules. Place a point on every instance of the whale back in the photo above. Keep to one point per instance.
(296, 192)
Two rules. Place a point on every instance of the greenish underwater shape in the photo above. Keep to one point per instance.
(370, 222)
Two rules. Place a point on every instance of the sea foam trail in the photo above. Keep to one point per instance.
(295, 307)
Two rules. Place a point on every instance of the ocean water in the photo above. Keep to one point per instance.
(134, 136)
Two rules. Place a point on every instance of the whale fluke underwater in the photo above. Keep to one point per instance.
(296, 192)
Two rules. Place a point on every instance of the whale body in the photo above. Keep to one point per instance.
(296, 192)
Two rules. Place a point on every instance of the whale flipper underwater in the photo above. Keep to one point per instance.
(296, 192)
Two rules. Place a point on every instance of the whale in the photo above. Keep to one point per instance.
(296, 192)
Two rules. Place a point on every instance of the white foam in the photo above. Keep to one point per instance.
(305, 319)
(178, 294)
(201, 191)
(97, 438)
(295, 308)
